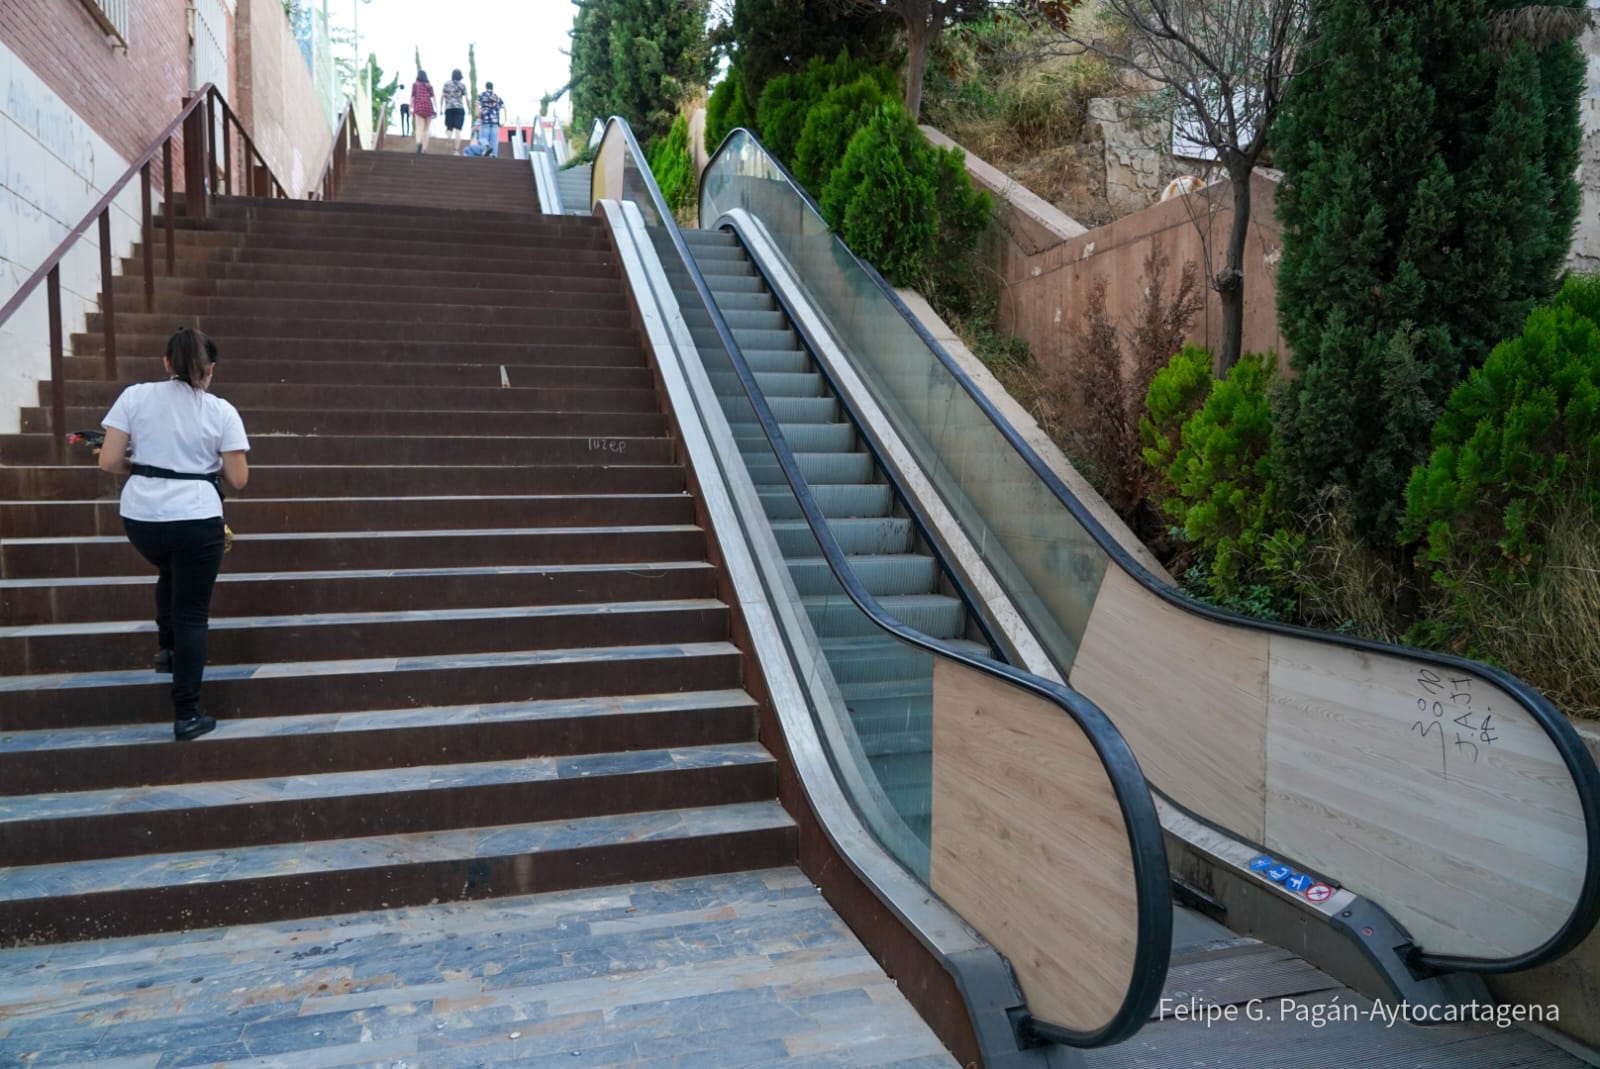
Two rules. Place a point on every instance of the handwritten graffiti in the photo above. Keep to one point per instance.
(1446, 713)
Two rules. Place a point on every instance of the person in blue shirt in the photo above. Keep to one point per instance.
(489, 105)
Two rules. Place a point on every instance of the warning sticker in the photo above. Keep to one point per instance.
(1319, 892)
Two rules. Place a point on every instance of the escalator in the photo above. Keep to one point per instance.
(818, 342)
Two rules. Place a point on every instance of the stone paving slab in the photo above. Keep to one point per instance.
(743, 970)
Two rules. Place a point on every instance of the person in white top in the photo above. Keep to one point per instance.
(175, 442)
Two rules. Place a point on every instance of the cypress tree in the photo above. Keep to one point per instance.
(1427, 204)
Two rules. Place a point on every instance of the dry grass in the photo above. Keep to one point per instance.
(1546, 631)
(1007, 99)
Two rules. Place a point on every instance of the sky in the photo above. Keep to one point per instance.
(519, 44)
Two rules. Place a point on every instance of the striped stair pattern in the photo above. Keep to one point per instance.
(468, 641)
(572, 185)
(887, 685)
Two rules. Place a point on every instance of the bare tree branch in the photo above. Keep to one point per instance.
(1541, 25)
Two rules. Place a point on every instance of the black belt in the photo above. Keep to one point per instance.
(153, 472)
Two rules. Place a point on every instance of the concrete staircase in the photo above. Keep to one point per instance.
(468, 642)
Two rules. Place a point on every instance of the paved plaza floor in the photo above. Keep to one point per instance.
(748, 969)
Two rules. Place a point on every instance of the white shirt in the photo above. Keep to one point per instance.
(172, 425)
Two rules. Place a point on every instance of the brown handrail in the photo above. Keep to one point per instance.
(197, 121)
(327, 186)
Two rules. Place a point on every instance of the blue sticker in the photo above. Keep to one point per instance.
(1279, 873)
(1298, 882)
(1262, 863)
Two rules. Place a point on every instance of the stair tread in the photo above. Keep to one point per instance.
(356, 666)
(152, 871)
(362, 573)
(198, 795)
(226, 623)
(116, 736)
(439, 532)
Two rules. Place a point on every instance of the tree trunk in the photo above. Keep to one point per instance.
(923, 21)
(1230, 280)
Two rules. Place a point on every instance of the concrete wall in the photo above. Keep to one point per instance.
(277, 98)
(75, 111)
(1586, 238)
(1047, 261)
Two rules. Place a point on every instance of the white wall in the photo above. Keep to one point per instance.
(53, 169)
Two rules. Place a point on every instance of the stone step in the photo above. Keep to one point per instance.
(339, 211)
(62, 600)
(417, 422)
(384, 308)
(140, 333)
(296, 551)
(612, 373)
(269, 480)
(75, 901)
(472, 399)
(128, 645)
(561, 345)
(496, 231)
(196, 296)
(48, 829)
(395, 450)
(243, 691)
(101, 758)
(362, 241)
(330, 276)
(76, 519)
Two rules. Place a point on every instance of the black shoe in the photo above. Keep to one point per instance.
(193, 727)
(164, 661)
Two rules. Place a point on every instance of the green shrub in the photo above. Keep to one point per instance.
(963, 214)
(1176, 393)
(786, 101)
(673, 166)
(1225, 496)
(881, 199)
(829, 126)
(727, 109)
(1517, 440)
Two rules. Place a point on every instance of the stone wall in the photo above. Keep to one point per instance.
(1586, 238)
(1047, 261)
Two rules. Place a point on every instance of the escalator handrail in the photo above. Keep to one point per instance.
(1586, 780)
(1146, 846)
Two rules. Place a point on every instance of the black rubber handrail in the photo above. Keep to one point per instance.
(1586, 780)
(1147, 849)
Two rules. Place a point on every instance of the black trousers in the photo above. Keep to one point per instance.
(188, 555)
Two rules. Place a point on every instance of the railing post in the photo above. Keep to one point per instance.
(169, 208)
(146, 237)
(58, 373)
(227, 150)
(108, 300)
(194, 163)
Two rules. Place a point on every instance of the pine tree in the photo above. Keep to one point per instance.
(1428, 202)
(640, 59)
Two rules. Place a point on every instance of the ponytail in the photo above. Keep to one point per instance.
(191, 355)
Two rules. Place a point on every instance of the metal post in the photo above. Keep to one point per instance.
(227, 151)
(167, 209)
(108, 301)
(146, 237)
(58, 374)
(194, 163)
